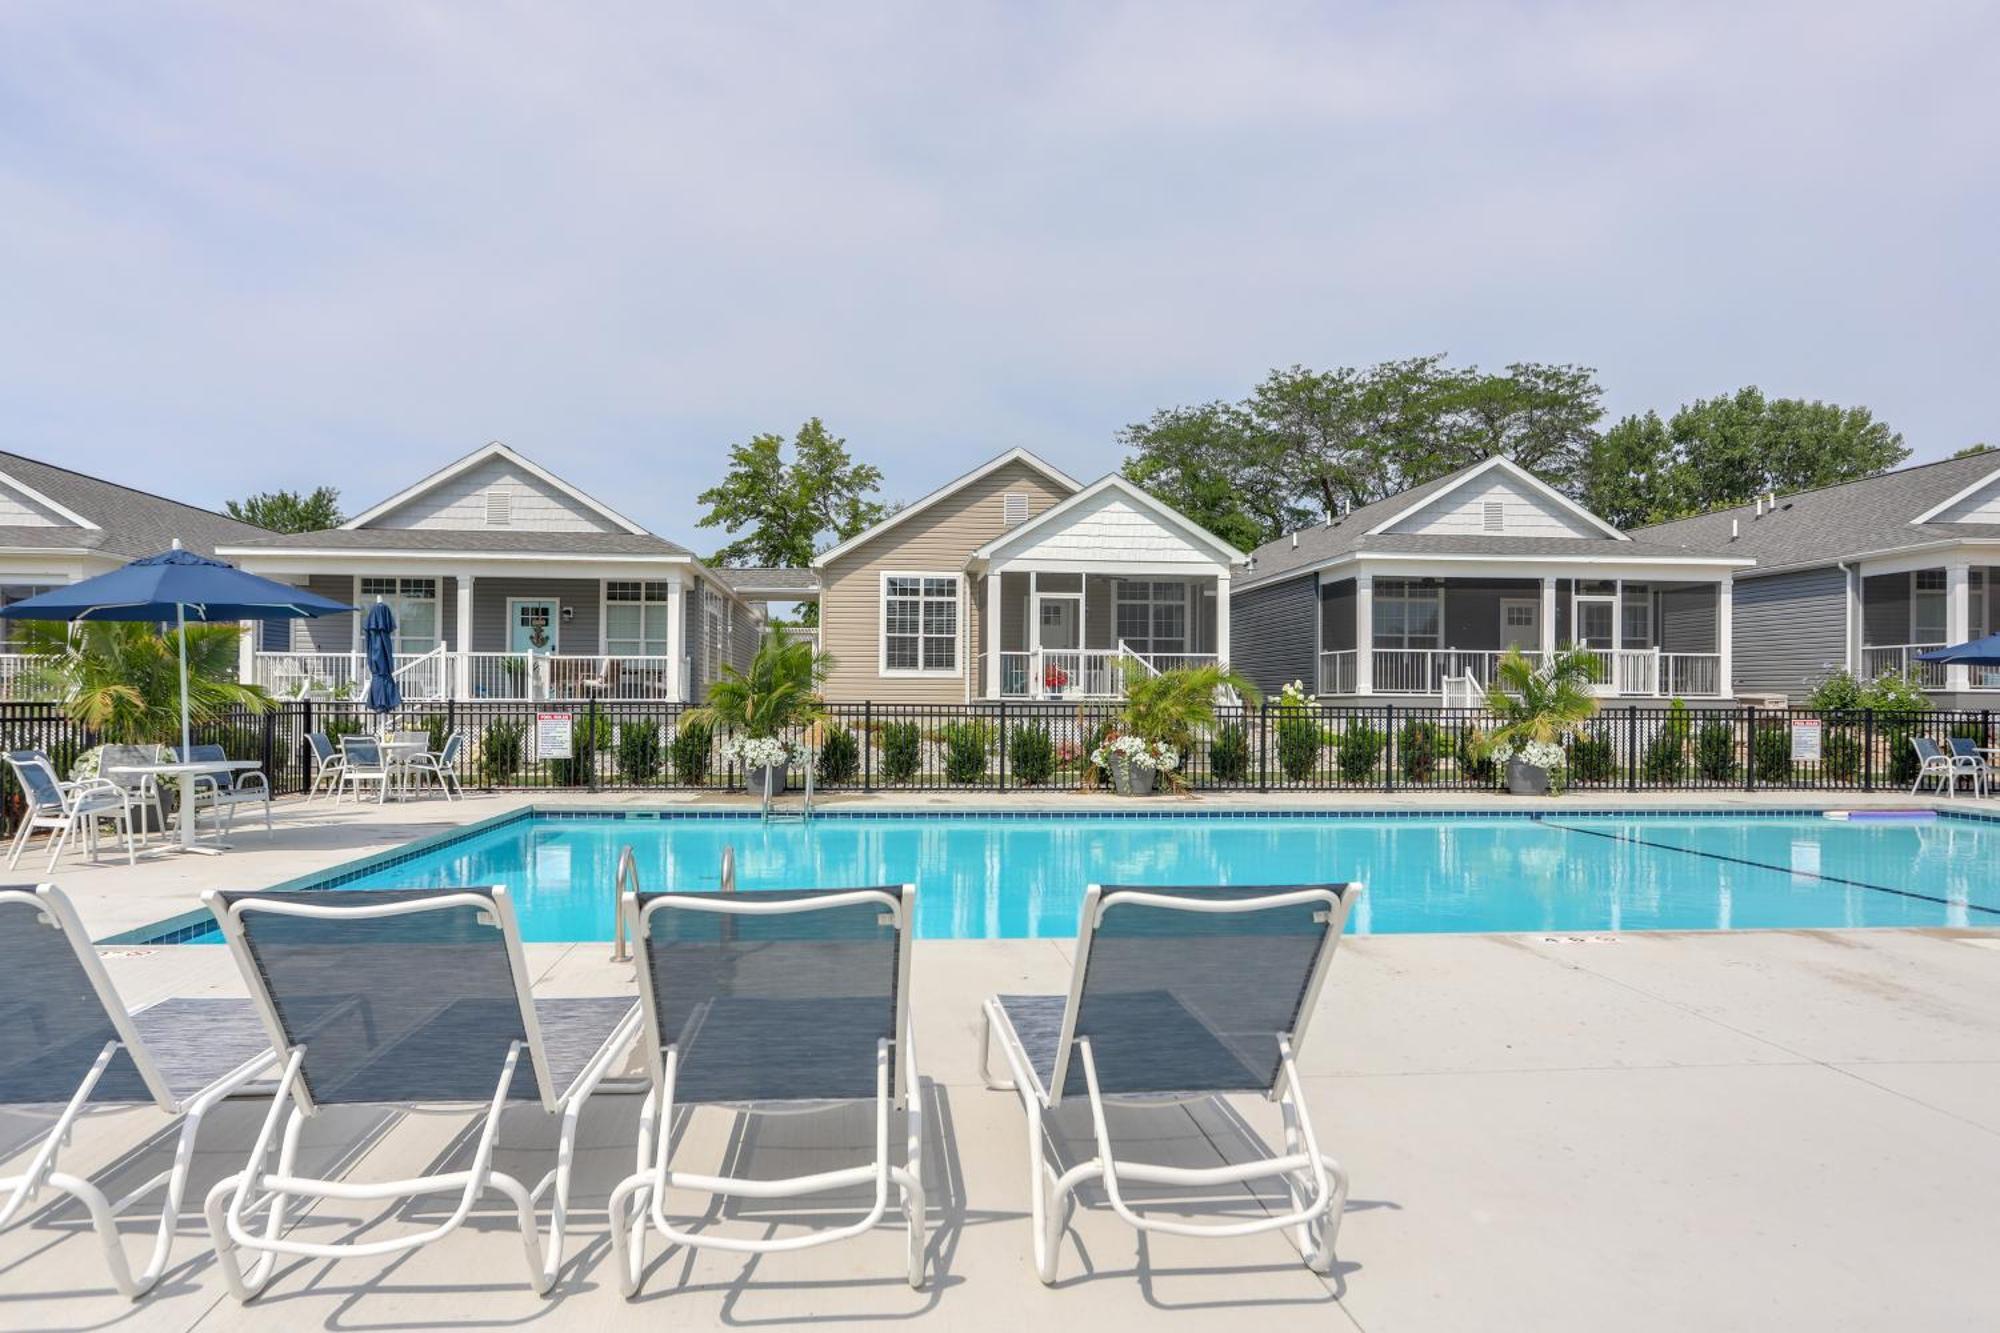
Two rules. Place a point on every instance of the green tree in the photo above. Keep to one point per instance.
(290, 511)
(1633, 475)
(1213, 464)
(122, 678)
(779, 511)
(1971, 449)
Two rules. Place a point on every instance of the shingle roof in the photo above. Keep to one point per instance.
(1838, 522)
(472, 542)
(1349, 535)
(768, 579)
(131, 523)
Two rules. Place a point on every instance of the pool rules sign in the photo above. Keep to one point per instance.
(553, 735)
(1806, 733)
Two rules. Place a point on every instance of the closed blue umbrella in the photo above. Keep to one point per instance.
(378, 640)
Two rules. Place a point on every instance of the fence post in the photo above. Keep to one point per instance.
(1389, 750)
(1264, 745)
(1868, 749)
(305, 746)
(1000, 782)
(1750, 747)
(1631, 747)
(269, 756)
(589, 753)
(867, 744)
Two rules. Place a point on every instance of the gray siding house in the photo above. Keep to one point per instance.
(507, 583)
(1418, 596)
(1862, 576)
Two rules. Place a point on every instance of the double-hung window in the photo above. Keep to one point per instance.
(1927, 606)
(635, 618)
(920, 622)
(1151, 616)
(414, 603)
(1408, 614)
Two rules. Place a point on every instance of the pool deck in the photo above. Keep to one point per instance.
(1672, 1131)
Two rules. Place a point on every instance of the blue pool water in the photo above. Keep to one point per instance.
(984, 877)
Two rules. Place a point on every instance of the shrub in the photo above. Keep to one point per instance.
(1359, 749)
(1902, 754)
(965, 746)
(1772, 754)
(839, 757)
(586, 742)
(692, 751)
(639, 751)
(1229, 753)
(499, 750)
(1418, 749)
(1841, 759)
(902, 751)
(1031, 755)
(1591, 759)
(1665, 759)
(1299, 740)
(437, 726)
(1475, 759)
(1715, 752)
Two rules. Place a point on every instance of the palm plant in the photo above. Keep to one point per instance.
(1170, 705)
(122, 680)
(779, 691)
(1542, 704)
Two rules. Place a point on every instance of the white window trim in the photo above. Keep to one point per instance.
(1188, 616)
(365, 599)
(555, 622)
(1404, 595)
(1943, 594)
(882, 667)
(604, 615)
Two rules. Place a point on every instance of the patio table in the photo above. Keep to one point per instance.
(186, 773)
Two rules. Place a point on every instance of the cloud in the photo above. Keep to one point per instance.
(249, 247)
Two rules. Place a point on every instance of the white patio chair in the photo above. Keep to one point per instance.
(63, 808)
(768, 1003)
(442, 766)
(404, 997)
(1179, 994)
(326, 761)
(142, 790)
(1935, 765)
(69, 1042)
(221, 793)
(363, 761)
(1967, 760)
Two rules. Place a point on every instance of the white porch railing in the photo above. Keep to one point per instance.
(16, 675)
(1423, 670)
(1627, 671)
(1085, 673)
(1883, 659)
(512, 677)
(1336, 672)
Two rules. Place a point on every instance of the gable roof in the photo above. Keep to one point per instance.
(486, 453)
(1364, 531)
(1113, 481)
(452, 541)
(1854, 518)
(117, 521)
(1452, 481)
(990, 466)
(773, 581)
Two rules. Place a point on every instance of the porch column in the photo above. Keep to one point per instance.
(1619, 685)
(1548, 618)
(676, 630)
(1364, 634)
(1725, 598)
(993, 614)
(1958, 619)
(464, 644)
(247, 644)
(1222, 619)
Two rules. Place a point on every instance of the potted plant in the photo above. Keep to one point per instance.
(1156, 727)
(1537, 708)
(1134, 762)
(777, 694)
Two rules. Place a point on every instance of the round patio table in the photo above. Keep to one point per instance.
(187, 773)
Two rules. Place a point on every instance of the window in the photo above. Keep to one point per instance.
(1013, 509)
(1927, 606)
(20, 592)
(635, 619)
(1637, 628)
(1151, 616)
(920, 622)
(1496, 516)
(414, 603)
(1408, 614)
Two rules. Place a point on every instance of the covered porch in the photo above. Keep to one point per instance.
(1443, 635)
(1063, 634)
(1908, 611)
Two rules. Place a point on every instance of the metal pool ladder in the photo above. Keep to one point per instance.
(805, 810)
(627, 879)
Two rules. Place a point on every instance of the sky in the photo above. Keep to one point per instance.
(248, 246)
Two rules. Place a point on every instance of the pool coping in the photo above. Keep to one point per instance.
(199, 923)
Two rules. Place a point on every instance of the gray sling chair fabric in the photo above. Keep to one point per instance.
(774, 1008)
(768, 1000)
(1177, 996)
(58, 1017)
(408, 997)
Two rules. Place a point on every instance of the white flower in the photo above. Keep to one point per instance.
(1536, 754)
(1136, 752)
(762, 751)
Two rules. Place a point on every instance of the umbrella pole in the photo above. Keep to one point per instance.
(180, 623)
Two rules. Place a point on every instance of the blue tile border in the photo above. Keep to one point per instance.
(198, 924)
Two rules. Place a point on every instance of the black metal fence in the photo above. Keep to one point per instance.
(638, 746)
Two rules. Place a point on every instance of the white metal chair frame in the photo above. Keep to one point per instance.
(21, 1190)
(83, 804)
(220, 794)
(441, 765)
(644, 1192)
(355, 774)
(327, 765)
(142, 793)
(1966, 759)
(230, 1204)
(1946, 767)
(1315, 1182)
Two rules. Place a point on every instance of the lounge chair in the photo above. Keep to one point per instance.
(63, 809)
(766, 1002)
(220, 793)
(1179, 994)
(402, 997)
(1936, 765)
(1968, 759)
(326, 764)
(68, 1041)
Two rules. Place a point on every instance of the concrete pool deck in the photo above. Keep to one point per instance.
(1673, 1131)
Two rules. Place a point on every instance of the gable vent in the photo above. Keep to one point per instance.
(499, 507)
(1013, 509)
(1496, 516)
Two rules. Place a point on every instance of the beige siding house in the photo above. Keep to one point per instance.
(1017, 581)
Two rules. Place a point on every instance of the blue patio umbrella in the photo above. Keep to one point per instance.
(378, 640)
(180, 586)
(1978, 652)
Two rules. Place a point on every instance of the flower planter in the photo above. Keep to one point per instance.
(769, 780)
(1130, 779)
(1527, 779)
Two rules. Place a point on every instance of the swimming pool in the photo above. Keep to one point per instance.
(1013, 875)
